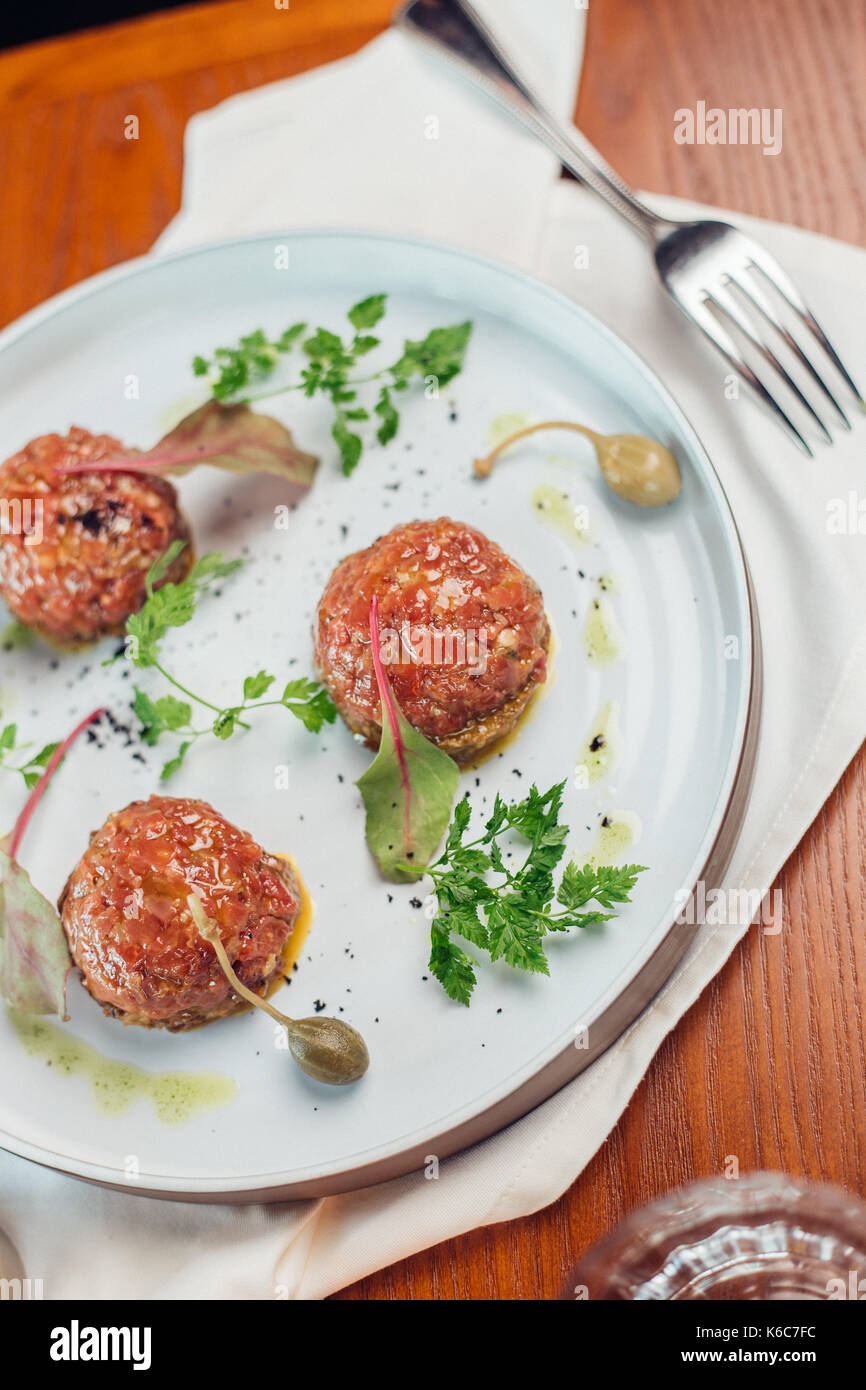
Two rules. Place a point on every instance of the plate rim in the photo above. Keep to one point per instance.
(621, 1004)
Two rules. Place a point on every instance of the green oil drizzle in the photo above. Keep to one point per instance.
(617, 833)
(504, 425)
(603, 638)
(603, 747)
(557, 509)
(176, 1096)
(183, 404)
(15, 637)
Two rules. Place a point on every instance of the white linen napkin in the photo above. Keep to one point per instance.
(492, 190)
(387, 139)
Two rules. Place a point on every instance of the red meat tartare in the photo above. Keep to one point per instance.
(463, 634)
(75, 570)
(130, 931)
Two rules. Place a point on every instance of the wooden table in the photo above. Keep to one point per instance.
(770, 1064)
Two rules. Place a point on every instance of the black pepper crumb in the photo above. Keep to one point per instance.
(319, 1005)
(597, 742)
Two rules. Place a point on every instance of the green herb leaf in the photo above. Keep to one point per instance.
(368, 312)
(409, 787)
(287, 340)
(226, 722)
(439, 355)
(170, 767)
(159, 569)
(350, 445)
(159, 716)
(251, 359)
(324, 346)
(605, 884)
(309, 702)
(41, 758)
(255, 686)
(451, 966)
(388, 414)
(515, 935)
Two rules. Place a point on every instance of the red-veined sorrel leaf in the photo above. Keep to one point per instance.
(34, 957)
(409, 787)
(231, 437)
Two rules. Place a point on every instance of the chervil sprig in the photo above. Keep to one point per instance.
(234, 373)
(173, 605)
(507, 912)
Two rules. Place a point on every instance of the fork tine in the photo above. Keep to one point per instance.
(727, 305)
(757, 297)
(773, 272)
(700, 315)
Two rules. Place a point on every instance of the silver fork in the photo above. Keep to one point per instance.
(721, 279)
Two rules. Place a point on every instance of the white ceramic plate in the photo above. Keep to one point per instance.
(441, 1075)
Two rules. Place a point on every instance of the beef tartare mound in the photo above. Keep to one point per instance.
(463, 635)
(125, 913)
(75, 547)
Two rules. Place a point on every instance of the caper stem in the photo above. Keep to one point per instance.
(484, 466)
(208, 929)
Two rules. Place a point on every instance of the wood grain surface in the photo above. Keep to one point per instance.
(770, 1064)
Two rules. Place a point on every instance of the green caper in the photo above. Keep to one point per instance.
(328, 1050)
(640, 470)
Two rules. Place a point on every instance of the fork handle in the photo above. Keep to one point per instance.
(455, 29)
